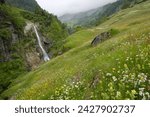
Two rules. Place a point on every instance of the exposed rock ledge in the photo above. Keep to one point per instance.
(100, 38)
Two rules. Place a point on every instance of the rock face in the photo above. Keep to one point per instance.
(21, 46)
(7, 40)
(4, 51)
(33, 60)
(100, 38)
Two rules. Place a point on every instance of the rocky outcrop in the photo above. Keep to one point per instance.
(28, 27)
(34, 55)
(13, 44)
(8, 38)
(100, 38)
(46, 41)
(33, 59)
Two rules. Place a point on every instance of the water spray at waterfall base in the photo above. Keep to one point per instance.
(45, 55)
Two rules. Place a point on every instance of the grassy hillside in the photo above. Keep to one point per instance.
(118, 68)
(97, 16)
(29, 5)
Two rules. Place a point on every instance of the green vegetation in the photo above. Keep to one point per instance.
(118, 68)
(12, 62)
(5, 33)
(29, 5)
(113, 32)
(99, 15)
(50, 27)
(11, 55)
(14, 44)
(11, 15)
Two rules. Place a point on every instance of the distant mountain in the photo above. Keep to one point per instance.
(98, 15)
(29, 5)
(82, 18)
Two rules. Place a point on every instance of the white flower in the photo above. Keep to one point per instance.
(149, 81)
(114, 78)
(133, 76)
(148, 95)
(141, 89)
(144, 98)
(141, 93)
(127, 58)
(117, 59)
(125, 76)
(142, 77)
(108, 74)
(118, 94)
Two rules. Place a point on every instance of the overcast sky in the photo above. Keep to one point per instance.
(60, 7)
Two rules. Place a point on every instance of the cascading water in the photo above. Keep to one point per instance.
(45, 55)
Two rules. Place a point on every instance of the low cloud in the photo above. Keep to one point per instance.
(60, 7)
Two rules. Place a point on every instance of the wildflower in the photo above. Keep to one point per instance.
(132, 76)
(117, 59)
(130, 58)
(125, 76)
(141, 93)
(133, 92)
(100, 70)
(144, 98)
(113, 69)
(114, 78)
(118, 94)
(126, 66)
(148, 95)
(127, 58)
(108, 74)
(142, 77)
(141, 89)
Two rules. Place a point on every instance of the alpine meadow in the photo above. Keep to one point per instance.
(104, 55)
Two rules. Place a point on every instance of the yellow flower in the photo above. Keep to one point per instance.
(126, 66)
(133, 91)
(113, 69)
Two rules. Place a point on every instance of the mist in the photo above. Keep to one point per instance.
(61, 7)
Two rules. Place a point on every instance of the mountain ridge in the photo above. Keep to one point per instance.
(30, 5)
(98, 15)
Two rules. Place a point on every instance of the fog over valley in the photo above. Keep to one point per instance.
(61, 7)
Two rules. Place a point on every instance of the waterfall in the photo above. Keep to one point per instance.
(45, 55)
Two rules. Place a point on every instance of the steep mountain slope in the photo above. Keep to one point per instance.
(83, 18)
(29, 5)
(118, 68)
(98, 15)
(19, 48)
